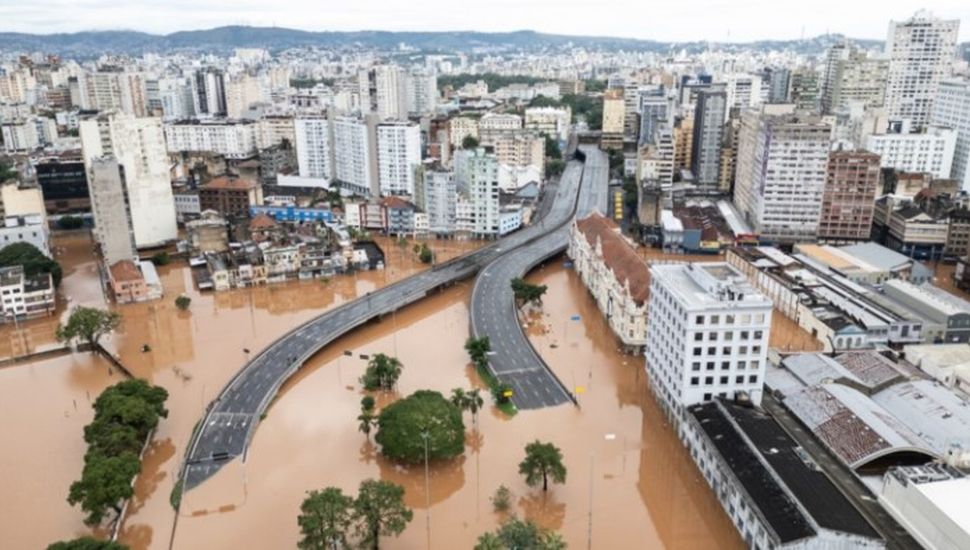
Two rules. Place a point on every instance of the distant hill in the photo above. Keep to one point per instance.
(224, 39)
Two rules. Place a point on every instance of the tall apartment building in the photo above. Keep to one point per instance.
(921, 52)
(708, 134)
(476, 178)
(114, 90)
(398, 156)
(851, 75)
(422, 87)
(138, 145)
(654, 112)
(931, 152)
(614, 117)
(439, 199)
(230, 138)
(209, 92)
(314, 154)
(849, 198)
(520, 149)
(742, 90)
(176, 98)
(384, 90)
(951, 109)
(242, 92)
(805, 89)
(355, 148)
(683, 143)
(781, 171)
(113, 229)
(707, 336)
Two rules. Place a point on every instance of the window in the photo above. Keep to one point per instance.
(695, 366)
(697, 352)
(728, 336)
(715, 319)
(742, 365)
(744, 334)
(698, 336)
(724, 380)
(753, 378)
(729, 319)
(725, 365)
(739, 379)
(758, 334)
(694, 381)
(711, 351)
(710, 365)
(708, 380)
(699, 319)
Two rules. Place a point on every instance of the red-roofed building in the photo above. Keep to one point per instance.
(615, 275)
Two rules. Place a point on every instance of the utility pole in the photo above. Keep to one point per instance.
(427, 488)
(589, 536)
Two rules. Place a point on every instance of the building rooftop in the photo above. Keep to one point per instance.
(125, 271)
(941, 485)
(628, 268)
(791, 492)
(230, 182)
(11, 275)
(706, 284)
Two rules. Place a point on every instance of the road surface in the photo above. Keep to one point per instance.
(513, 360)
(227, 428)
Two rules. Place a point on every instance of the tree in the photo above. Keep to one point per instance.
(88, 324)
(124, 415)
(8, 171)
(105, 483)
(183, 302)
(379, 509)
(366, 419)
(401, 425)
(502, 499)
(458, 399)
(552, 149)
(526, 293)
(517, 534)
(382, 372)
(475, 402)
(426, 256)
(32, 259)
(162, 258)
(325, 519)
(555, 168)
(87, 543)
(470, 142)
(542, 461)
(478, 349)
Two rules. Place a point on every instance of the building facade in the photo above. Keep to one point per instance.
(848, 201)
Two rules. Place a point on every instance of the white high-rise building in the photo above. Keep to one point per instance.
(422, 92)
(242, 92)
(313, 149)
(476, 177)
(781, 171)
(921, 52)
(707, 335)
(230, 138)
(439, 201)
(353, 155)
(175, 96)
(398, 155)
(138, 144)
(930, 152)
(852, 75)
(384, 90)
(951, 109)
(109, 205)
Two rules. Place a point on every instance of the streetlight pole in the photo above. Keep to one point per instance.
(589, 535)
(427, 488)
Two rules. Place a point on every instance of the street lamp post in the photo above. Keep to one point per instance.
(427, 487)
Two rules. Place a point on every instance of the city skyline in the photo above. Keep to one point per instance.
(722, 23)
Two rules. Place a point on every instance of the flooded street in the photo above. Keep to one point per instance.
(644, 486)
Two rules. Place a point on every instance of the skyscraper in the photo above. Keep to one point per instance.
(951, 108)
(921, 51)
(109, 204)
(708, 133)
(852, 75)
(781, 172)
(138, 145)
(849, 199)
(313, 147)
(398, 155)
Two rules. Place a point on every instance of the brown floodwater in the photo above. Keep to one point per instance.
(646, 493)
(193, 354)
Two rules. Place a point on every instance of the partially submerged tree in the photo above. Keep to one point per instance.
(478, 349)
(325, 520)
(88, 325)
(542, 461)
(183, 302)
(401, 426)
(516, 534)
(32, 259)
(380, 511)
(382, 372)
(87, 543)
(526, 293)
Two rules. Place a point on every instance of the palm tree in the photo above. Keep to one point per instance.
(459, 399)
(474, 402)
(367, 420)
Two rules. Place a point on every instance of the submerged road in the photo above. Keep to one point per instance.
(513, 359)
(230, 420)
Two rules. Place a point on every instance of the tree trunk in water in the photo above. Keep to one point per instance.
(545, 482)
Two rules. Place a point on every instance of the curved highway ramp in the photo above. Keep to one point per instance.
(513, 359)
(226, 429)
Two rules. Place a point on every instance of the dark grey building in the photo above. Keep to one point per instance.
(708, 133)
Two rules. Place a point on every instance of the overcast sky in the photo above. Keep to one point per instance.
(675, 20)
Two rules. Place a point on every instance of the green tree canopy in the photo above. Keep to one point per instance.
(87, 543)
(470, 142)
(478, 349)
(134, 403)
(526, 292)
(401, 424)
(516, 534)
(382, 372)
(426, 255)
(88, 324)
(542, 461)
(33, 260)
(325, 520)
(183, 302)
(552, 148)
(380, 511)
(105, 483)
(70, 222)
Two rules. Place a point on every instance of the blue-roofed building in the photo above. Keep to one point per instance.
(293, 213)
